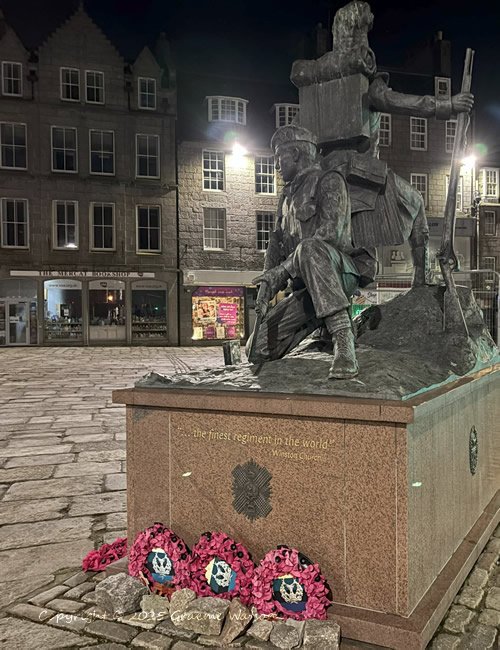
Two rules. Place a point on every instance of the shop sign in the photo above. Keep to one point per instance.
(82, 274)
(63, 284)
(220, 292)
(148, 284)
(464, 227)
(107, 284)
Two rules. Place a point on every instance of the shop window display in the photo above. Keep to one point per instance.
(218, 313)
(149, 311)
(107, 310)
(63, 310)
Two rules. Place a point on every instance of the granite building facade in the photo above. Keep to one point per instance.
(88, 246)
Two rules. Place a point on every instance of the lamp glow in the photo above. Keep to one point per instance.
(469, 162)
(239, 150)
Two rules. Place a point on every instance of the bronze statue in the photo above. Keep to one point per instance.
(341, 96)
(312, 247)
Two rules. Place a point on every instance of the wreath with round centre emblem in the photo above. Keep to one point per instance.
(287, 584)
(160, 559)
(221, 567)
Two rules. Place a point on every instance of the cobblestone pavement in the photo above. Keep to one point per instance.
(62, 493)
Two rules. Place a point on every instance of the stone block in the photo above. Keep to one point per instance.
(33, 613)
(80, 590)
(156, 606)
(490, 617)
(69, 622)
(493, 598)
(169, 629)
(77, 579)
(284, 636)
(120, 594)
(117, 632)
(45, 596)
(445, 642)
(481, 637)
(237, 620)
(478, 578)
(204, 615)
(152, 641)
(320, 635)
(66, 606)
(178, 603)
(470, 597)
(458, 620)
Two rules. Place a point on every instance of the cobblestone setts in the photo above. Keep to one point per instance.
(68, 427)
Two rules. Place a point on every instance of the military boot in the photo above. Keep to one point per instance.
(344, 364)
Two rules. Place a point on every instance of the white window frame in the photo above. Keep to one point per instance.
(146, 93)
(387, 131)
(66, 247)
(285, 114)
(485, 267)
(62, 84)
(414, 121)
(217, 228)
(66, 128)
(3, 211)
(484, 177)
(487, 231)
(413, 179)
(265, 179)
(460, 192)
(143, 206)
(219, 106)
(5, 77)
(148, 156)
(263, 231)
(98, 74)
(14, 146)
(449, 139)
(439, 90)
(209, 173)
(93, 247)
(101, 151)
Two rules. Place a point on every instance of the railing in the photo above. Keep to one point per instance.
(484, 283)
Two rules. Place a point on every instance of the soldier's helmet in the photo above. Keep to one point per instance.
(292, 133)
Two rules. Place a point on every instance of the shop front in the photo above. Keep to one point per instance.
(86, 308)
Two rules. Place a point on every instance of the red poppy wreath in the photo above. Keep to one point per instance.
(106, 554)
(221, 567)
(160, 559)
(286, 584)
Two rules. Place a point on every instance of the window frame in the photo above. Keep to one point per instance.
(3, 201)
(414, 133)
(265, 175)
(147, 251)
(139, 94)
(21, 87)
(388, 131)
(63, 171)
(94, 173)
(237, 102)
(61, 84)
(484, 173)
(263, 213)
(2, 145)
(460, 192)
(485, 229)
(93, 247)
(146, 135)
(87, 100)
(55, 247)
(447, 137)
(426, 176)
(492, 270)
(223, 211)
(211, 171)
(446, 92)
(287, 108)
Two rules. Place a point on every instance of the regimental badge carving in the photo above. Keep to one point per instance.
(252, 490)
(473, 450)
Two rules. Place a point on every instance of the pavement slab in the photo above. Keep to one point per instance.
(18, 634)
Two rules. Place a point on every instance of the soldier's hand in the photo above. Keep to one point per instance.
(264, 294)
(462, 103)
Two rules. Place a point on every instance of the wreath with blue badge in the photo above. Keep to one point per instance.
(221, 567)
(160, 559)
(286, 584)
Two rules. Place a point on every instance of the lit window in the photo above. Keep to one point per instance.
(147, 156)
(102, 226)
(94, 87)
(419, 182)
(385, 130)
(64, 149)
(285, 114)
(102, 152)
(13, 147)
(148, 229)
(442, 87)
(213, 170)
(70, 84)
(450, 130)
(265, 226)
(264, 175)
(488, 183)
(15, 223)
(460, 193)
(418, 133)
(214, 229)
(65, 232)
(227, 109)
(490, 223)
(12, 79)
(147, 93)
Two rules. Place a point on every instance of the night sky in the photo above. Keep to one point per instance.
(260, 39)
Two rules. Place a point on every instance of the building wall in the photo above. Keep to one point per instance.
(80, 44)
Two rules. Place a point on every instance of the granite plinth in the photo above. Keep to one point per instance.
(380, 492)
